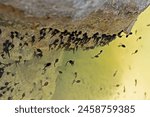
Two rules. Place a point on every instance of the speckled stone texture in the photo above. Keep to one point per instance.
(89, 14)
(73, 8)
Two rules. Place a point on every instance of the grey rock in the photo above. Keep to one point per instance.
(73, 8)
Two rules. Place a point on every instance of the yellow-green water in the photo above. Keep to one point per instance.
(96, 75)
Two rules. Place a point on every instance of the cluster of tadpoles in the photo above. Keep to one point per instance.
(76, 39)
(67, 40)
(63, 40)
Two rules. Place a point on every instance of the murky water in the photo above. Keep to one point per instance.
(118, 73)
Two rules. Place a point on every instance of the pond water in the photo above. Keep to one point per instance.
(118, 73)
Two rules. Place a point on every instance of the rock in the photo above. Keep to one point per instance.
(90, 14)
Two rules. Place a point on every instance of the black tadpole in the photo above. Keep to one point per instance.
(97, 55)
(148, 24)
(38, 53)
(42, 33)
(78, 81)
(1, 72)
(33, 39)
(17, 34)
(46, 65)
(135, 82)
(100, 51)
(139, 38)
(76, 74)
(3, 56)
(122, 45)
(12, 35)
(23, 95)
(45, 84)
(10, 98)
(8, 88)
(71, 62)
(136, 51)
(3, 87)
(54, 32)
(124, 89)
(7, 46)
(115, 73)
(117, 85)
(95, 35)
(56, 61)
(129, 34)
(60, 72)
(12, 90)
(50, 29)
(6, 83)
(39, 50)
(119, 34)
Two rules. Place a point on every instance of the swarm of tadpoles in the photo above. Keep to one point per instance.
(65, 40)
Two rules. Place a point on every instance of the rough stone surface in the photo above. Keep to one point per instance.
(89, 14)
(73, 8)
